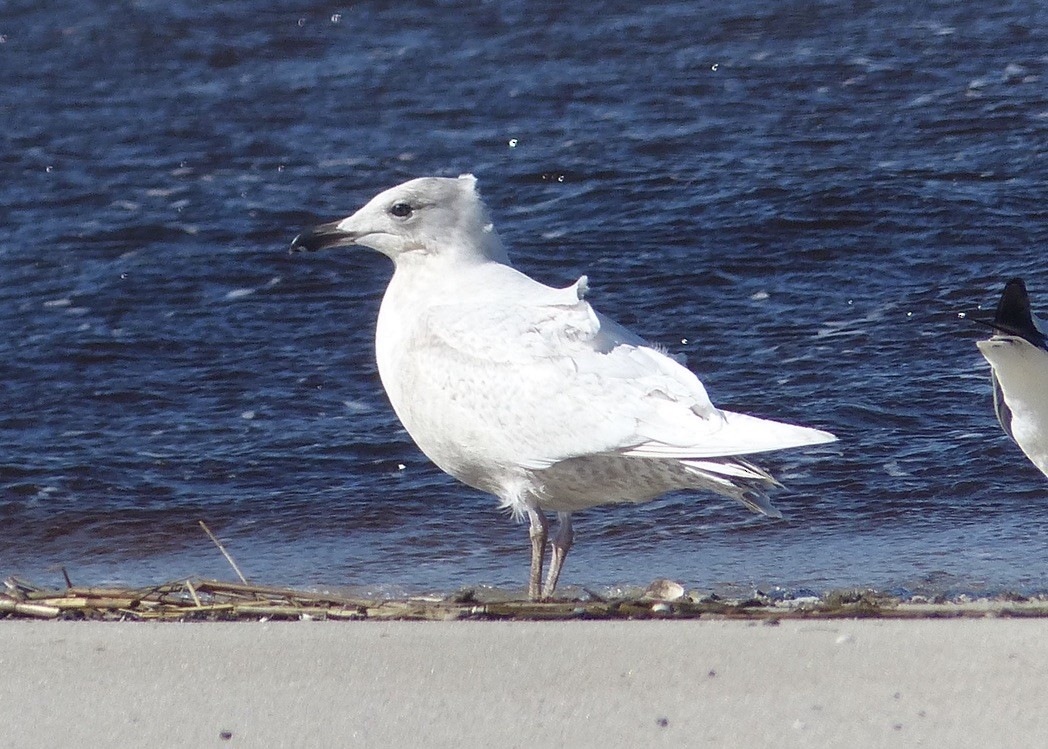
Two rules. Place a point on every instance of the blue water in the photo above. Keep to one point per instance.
(799, 196)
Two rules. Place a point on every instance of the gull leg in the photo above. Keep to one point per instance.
(538, 532)
(561, 545)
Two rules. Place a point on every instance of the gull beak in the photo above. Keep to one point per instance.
(323, 237)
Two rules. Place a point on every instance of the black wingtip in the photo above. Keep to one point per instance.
(1014, 316)
(1013, 311)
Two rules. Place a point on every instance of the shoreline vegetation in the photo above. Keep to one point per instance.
(215, 600)
(196, 599)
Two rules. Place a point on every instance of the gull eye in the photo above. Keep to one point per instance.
(401, 210)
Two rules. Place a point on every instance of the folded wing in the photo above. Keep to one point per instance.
(609, 390)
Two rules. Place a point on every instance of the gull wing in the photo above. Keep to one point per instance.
(586, 385)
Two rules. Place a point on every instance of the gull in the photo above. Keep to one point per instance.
(526, 392)
(1018, 357)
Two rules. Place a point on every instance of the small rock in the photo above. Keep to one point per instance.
(664, 590)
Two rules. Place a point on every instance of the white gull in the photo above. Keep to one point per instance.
(1018, 357)
(525, 391)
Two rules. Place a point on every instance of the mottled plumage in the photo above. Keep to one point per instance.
(525, 391)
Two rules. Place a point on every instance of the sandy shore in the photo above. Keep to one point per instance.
(960, 682)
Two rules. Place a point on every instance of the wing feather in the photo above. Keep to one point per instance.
(611, 391)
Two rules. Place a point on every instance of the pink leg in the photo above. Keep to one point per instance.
(561, 545)
(538, 532)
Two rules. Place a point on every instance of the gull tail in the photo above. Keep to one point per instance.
(1014, 316)
(738, 479)
(718, 467)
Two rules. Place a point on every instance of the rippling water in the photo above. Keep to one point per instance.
(798, 196)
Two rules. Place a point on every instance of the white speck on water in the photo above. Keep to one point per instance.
(356, 407)
(714, 67)
(154, 455)
(239, 293)
(893, 469)
(1014, 73)
(58, 303)
(401, 466)
(336, 17)
(760, 296)
(512, 142)
(247, 415)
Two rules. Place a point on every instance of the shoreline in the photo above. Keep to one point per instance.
(215, 600)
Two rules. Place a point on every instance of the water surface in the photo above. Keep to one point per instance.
(798, 196)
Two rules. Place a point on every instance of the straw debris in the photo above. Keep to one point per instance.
(215, 600)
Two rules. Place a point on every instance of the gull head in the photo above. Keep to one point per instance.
(425, 218)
